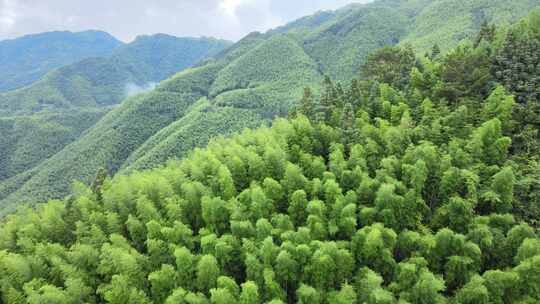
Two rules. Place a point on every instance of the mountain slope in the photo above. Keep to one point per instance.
(40, 120)
(339, 47)
(256, 87)
(383, 207)
(241, 79)
(450, 21)
(27, 140)
(26, 59)
(97, 82)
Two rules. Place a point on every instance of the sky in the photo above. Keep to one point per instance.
(126, 19)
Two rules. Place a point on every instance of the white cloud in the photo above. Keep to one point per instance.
(230, 6)
(125, 19)
(7, 14)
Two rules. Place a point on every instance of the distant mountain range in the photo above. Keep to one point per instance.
(26, 59)
(104, 81)
(39, 120)
(249, 84)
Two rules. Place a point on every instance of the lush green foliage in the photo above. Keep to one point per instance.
(153, 122)
(248, 85)
(73, 98)
(26, 59)
(450, 21)
(341, 45)
(517, 63)
(178, 138)
(417, 183)
(382, 210)
(27, 140)
(104, 81)
(55, 174)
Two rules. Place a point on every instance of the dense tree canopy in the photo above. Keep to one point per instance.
(408, 189)
(249, 84)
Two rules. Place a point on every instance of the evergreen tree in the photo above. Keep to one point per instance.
(390, 65)
(348, 123)
(487, 33)
(98, 183)
(435, 51)
(307, 103)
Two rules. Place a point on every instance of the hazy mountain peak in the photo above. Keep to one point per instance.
(26, 59)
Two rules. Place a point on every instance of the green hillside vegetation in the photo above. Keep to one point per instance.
(450, 21)
(26, 59)
(138, 118)
(42, 119)
(27, 140)
(268, 62)
(256, 87)
(72, 162)
(178, 53)
(419, 187)
(247, 85)
(97, 82)
(366, 29)
(205, 121)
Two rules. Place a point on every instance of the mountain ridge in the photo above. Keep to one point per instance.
(28, 58)
(101, 81)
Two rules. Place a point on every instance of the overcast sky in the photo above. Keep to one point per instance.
(125, 19)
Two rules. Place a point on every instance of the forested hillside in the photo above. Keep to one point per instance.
(104, 81)
(26, 59)
(39, 120)
(250, 84)
(416, 183)
(27, 140)
(449, 21)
